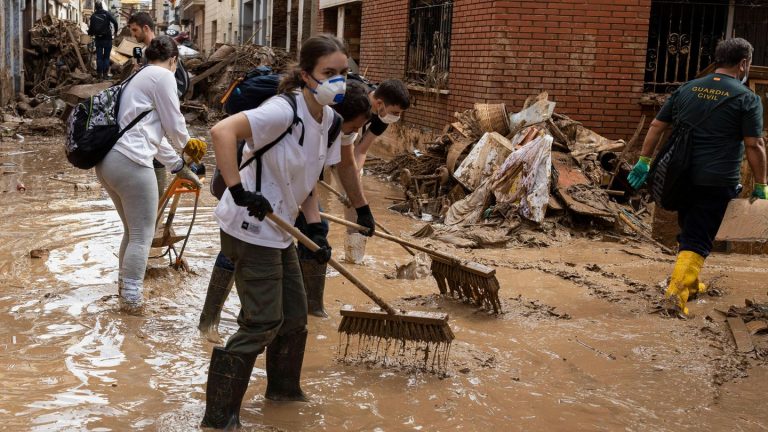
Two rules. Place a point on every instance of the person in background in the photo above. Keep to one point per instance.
(126, 172)
(142, 28)
(389, 100)
(718, 148)
(100, 27)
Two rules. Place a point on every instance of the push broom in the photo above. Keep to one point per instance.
(468, 280)
(388, 334)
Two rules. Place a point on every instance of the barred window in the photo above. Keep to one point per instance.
(429, 45)
(681, 41)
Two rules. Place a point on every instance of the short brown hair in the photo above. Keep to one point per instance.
(731, 52)
(142, 19)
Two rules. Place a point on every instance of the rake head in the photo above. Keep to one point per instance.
(471, 282)
(421, 339)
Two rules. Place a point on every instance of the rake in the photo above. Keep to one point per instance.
(467, 280)
(389, 334)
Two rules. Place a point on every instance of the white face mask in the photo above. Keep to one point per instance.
(388, 118)
(746, 75)
(347, 139)
(330, 91)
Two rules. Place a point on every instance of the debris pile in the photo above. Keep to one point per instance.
(491, 173)
(746, 323)
(210, 79)
(58, 58)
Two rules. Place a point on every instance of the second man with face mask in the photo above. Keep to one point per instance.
(388, 102)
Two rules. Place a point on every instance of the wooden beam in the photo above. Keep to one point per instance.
(212, 70)
(76, 47)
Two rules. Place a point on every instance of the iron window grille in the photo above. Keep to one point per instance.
(429, 45)
(682, 38)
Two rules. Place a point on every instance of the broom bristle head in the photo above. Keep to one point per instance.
(472, 282)
(400, 339)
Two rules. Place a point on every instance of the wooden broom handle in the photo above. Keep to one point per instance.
(434, 253)
(340, 268)
(378, 225)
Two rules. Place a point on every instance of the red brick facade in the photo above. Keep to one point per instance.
(589, 56)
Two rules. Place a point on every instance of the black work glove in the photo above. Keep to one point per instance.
(365, 218)
(198, 169)
(318, 233)
(258, 206)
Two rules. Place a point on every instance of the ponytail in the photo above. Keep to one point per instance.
(291, 80)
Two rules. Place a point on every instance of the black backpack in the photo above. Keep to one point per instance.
(93, 127)
(218, 186)
(99, 25)
(669, 175)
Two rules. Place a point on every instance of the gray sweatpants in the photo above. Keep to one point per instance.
(133, 189)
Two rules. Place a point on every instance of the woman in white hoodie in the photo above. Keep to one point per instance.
(127, 173)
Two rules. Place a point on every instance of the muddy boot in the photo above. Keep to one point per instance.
(285, 355)
(222, 278)
(228, 379)
(130, 295)
(684, 282)
(314, 283)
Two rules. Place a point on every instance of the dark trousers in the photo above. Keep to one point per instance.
(700, 216)
(103, 48)
(271, 292)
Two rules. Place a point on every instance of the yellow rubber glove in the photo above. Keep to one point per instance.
(196, 149)
(684, 281)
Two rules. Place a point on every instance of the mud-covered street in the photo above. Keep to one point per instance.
(578, 346)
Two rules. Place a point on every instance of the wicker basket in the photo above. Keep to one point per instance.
(492, 117)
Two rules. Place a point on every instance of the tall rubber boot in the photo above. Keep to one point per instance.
(228, 379)
(684, 281)
(285, 356)
(314, 284)
(222, 279)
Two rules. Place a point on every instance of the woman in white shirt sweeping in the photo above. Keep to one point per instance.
(127, 173)
(267, 273)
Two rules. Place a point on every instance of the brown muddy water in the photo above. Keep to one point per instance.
(576, 349)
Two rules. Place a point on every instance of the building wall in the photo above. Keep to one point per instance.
(589, 56)
(11, 52)
(225, 13)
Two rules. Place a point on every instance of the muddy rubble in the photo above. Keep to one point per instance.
(579, 343)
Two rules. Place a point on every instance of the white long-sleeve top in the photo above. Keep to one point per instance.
(154, 88)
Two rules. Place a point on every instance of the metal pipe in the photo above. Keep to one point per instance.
(300, 29)
(340, 22)
(288, 27)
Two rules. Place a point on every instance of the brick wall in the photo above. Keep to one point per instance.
(589, 56)
(280, 20)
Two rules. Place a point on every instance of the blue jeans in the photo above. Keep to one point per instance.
(103, 48)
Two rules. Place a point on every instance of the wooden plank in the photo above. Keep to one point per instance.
(740, 335)
(212, 70)
(76, 47)
(745, 221)
(126, 47)
(756, 326)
